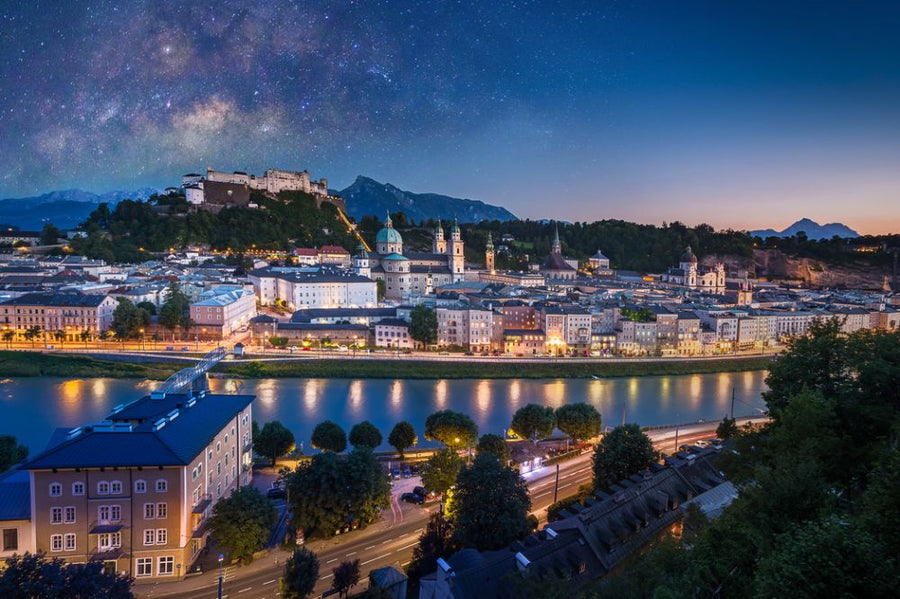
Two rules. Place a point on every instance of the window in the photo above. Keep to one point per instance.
(115, 539)
(108, 541)
(218, 468)
(70, 541)
(10, 539)
(144, 566)
(226, 438)
(115, 487)
(103, 488)
(115, 513)
(55, 489)
(218, 446)
(162, 486)
(200, 468)
(55, 515)
(162, 510)
(140, 486)
(78, 488)
(70, 514)
(166, 565)
(149, 511)
(149, 536)
(103, 513)
(209, 454)
(226, 459)
(226, 481)
(56, 542)
(218, 490)
(161, 536)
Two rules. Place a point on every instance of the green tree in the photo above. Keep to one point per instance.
(402, 437)
(494, 445)
(128, 319)
(11, 452)
(242, 522)
(346, 576)
(533, 422)
(365, 434)
(273, 440)
(149, 307)
(278, 342)
(622, 452)
(174, 312)
(490, 504)
(8, 336)
(33, 333)
(439, 472)
(380, 288)
(726, 429)
(581, 421)
(423, 325)
(33, 575)
(50, 235)
(453, 429)
(435, 541)
(301, 572)
(536, 585)
(328, 436)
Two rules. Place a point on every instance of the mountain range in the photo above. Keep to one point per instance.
(369, 197)
(812, 229)
(65, 209)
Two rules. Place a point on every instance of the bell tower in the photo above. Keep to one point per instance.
(489, 255)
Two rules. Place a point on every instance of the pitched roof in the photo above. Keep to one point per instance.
(79, 300)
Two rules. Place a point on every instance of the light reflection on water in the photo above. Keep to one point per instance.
(34, 407)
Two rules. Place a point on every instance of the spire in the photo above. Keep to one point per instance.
(557, 246)
(388, 222)
(490, 242)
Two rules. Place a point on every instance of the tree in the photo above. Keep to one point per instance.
(423, 325)
(380, 288)
(278, 342)
(328, 436)
(33, 333)
(726, 429)
(403, 436)
(622, 452)
(174, 311)
(301, 572)
(31, 575)
(365, 434)
(533, 422)
(490, 504)
(149, 307)
(128, 319)
(434, 542)
(346, 576)
(8, 336)
(451, 428)
(439, 472)
(242, 522)
(581, 421)
(494, 445)
(50, 234)
(11, 452)
(331, 492)
(273, 440)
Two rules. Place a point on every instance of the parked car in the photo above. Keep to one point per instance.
(185, 348)
(702, 443)
(413, 498)
(395, 472)
(420, 491)
(415, 469)
(407, 472)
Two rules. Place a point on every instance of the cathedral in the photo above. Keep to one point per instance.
(690, 275)
(409, 274)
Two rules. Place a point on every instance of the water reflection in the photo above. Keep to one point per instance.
(355, 397)
(483, 397)
(440, 394)
(555, 393)
(311, 396)
(515, 394)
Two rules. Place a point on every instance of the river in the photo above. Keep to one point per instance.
(34, 407)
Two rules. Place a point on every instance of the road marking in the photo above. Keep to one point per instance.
(403, 535)
(270, 581)
(351, 553)
(331, 560)
(407, 546)
(245, 590)
(326, 576)
(369, 547)
(404, 564)
(388, 541)
(542, 494)
(376, 558)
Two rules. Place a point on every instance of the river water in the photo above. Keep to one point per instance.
(33, 407)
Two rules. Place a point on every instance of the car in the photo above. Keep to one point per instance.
(395, 472)
(407, 472)
(276, 493)
(415, 469)
(185, 348)
(413, 498)
(170, 348)
(420, 491)
(702, 443)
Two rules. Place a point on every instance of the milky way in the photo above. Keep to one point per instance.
(738, 114)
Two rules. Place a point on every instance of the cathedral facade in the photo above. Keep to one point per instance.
(690, 274)
(410, 274)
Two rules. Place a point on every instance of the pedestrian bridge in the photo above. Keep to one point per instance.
(192, 379)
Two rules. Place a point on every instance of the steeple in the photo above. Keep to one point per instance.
(439, 245)
(490, 242)
(387, 221)
(557, 246)
(489, 254)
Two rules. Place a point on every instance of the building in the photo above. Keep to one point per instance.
(15, 514)
(14, 236)
(393, 333)
(598, 263)
(689, 274)
(223, 310)
(467, 327)
(334, 255)
(70, 313)
(313, 287)
(412, 274)
(136, 491)
(556, 266)
(207, 191)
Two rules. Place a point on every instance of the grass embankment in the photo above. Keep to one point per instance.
(20, 364)
(423, 369)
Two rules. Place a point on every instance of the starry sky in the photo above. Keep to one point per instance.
(739, 114)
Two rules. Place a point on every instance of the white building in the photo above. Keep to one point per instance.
(468, 327)
(313, 287)
(226, 307)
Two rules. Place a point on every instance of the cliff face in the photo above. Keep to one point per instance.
(776, 265)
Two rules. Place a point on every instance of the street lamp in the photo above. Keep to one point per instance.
(221, 559)
(141, 331)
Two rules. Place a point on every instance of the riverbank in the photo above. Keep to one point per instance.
(28, 364)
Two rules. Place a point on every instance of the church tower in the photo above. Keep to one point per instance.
(489, 255)
(688, 264)
(556, 248)
(457, 253)
(361, 264)
(439, 245)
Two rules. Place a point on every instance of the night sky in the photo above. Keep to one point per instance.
(741, 115)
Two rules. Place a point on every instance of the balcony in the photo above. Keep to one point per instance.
(202, 505)
(101, 528)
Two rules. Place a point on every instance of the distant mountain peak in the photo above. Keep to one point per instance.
(65, 208)
(366, 196)
(811, 228)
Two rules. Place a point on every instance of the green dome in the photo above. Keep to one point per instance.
(388, 235)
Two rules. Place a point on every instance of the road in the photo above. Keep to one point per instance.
(390, 541)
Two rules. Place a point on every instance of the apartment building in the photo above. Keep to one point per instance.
(71, 313)
(223, 310)
(467, 327)
(313, 287)
(136, 490)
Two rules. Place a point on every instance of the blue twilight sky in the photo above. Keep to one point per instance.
(739, 114)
